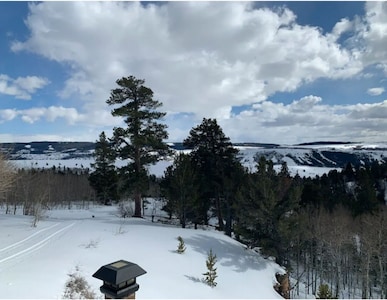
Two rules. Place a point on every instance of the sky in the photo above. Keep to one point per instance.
(270, 72)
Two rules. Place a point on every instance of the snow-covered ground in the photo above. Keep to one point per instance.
(35, 262)
(298, 158)
(159, 168)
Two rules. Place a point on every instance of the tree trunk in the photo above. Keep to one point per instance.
(137, 205)
(183, 218)
(228, 227)
(219, 212)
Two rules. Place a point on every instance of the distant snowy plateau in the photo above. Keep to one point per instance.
(307, 160)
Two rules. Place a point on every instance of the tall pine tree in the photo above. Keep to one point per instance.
(142, 141)
(215, 159)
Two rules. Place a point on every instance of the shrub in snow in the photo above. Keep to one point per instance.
(77, 287)
(181, 247)
(125, 209)
(324, 292)
(211, 273)
(92, 244)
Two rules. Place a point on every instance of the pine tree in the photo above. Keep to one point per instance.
(324, 292)
(180, 188)
(181, 247)
(104, 179)
(211, 273)
(215, 159)
(142, 141)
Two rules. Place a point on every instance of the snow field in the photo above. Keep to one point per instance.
(36, 261)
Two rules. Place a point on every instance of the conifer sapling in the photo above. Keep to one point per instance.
(181, 247)
(211, 273)
(324, 292)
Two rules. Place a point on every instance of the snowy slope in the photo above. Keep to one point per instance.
(304, 160)
(34, 262)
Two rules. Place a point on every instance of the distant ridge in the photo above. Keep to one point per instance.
(321, 154)
(44, 147)
(323, 143)
(180, 146)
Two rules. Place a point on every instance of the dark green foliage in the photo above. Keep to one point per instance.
(142, 140)
(104, 179)
(366, 199)
(267, 204)
(211, 270)
(215, 161)
(180, 188)
(324, 292)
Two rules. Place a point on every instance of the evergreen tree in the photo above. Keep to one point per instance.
(366, 198)
(181, 247)
(215, 159)
(264, 208)
(324, 292)
(141, 142)
(104, 178)
(181, 190)
(211, 270)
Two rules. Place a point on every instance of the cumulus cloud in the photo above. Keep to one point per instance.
(7, 115)
(375, 91)
(341, 27)
(373, 33)
(308, 119)
(202, 59)
(50, 114)
(21, 87)
(23, 138)
(198, 57)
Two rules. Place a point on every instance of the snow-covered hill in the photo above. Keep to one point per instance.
(305, 160)
(35, 262)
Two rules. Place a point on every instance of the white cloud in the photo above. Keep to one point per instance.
(70, 115)
(308, 119)
(21, 87)
(50, 114)
(199, 57)
(32, 115)
(373, 34)
(22, 138)
(375, 91)
(31, 83)
(341, 27)
(305, 104)
(7, 115)
(203, 58)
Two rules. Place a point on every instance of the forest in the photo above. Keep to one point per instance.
(328, 232)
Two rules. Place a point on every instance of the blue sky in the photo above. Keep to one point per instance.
(276, 72)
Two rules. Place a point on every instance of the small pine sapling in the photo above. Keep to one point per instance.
(211, 273)
(181, 247)
(324, 292)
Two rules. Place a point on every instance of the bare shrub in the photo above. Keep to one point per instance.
(91, 244)
(77, 287)
(125, 209)
(8, 177)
